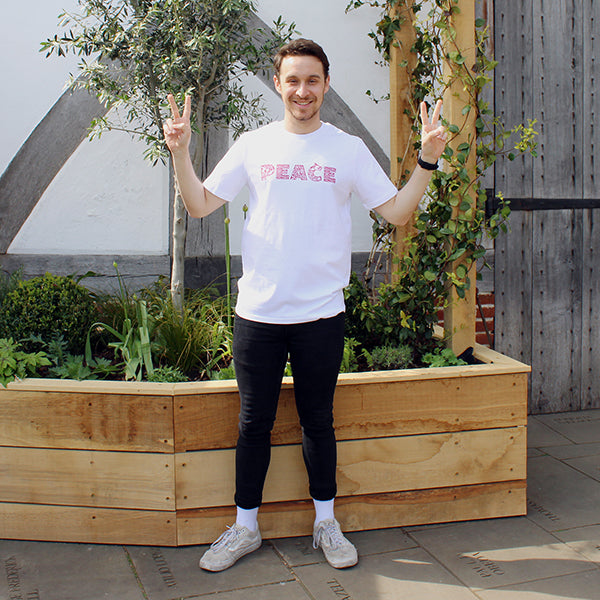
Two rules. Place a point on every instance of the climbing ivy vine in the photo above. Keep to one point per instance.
(452, 223)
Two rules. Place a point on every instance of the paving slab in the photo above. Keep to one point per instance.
(411, 574)
(540, 435)
(580, 586)
(589, 465)
(573, 450)
(580, 427)
(299, 551)
(173, 573)
(53, 571)
(500, 552)
(585, 540)
(531, 452)
(288, 590)
(560, 497)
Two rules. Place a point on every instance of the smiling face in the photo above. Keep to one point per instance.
(302, 85)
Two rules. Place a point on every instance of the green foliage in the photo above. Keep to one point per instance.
(451, 224)
(134, 53)
(47, 306)
(349, 357)
(197, 339)
(132, 343)
(17, 364)
(442, 357)
(223, 373)
(65, 365)
(167, 374)
(131, 339)
(386, 358)
(8, 282)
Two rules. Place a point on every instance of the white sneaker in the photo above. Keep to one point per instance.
(339, 552)
(236, 542)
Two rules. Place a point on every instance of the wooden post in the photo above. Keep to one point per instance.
(460, 314)
(403, 157)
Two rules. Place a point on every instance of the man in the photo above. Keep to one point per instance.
(296, 250)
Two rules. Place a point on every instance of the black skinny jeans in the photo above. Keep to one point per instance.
(260, 352)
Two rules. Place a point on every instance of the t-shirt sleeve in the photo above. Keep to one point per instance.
(372, 184)
(229, 175)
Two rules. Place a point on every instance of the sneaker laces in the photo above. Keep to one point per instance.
(228, 536)
(332, 532)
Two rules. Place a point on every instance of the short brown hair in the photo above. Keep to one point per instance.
(301, 47)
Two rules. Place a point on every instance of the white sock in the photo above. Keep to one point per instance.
(247, 517)
(323, 510)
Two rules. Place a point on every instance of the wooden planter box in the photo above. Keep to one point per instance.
(153, 464)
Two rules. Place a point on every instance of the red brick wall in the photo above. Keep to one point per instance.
(485, 311)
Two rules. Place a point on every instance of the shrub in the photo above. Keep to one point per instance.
(386, 358)
(442, 358)
(15, 363)
(166, 374)
(8, 282)
(48, 306)
(195, 340)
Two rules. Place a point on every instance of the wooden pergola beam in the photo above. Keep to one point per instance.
(460, 315)
(403, 157)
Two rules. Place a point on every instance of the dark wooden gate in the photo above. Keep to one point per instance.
(547, 276)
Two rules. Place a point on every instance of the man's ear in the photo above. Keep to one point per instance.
(277, 83)
(327, 84)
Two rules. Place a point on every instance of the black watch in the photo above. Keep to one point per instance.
(426, 165)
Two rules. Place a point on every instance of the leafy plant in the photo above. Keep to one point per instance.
(349, 358)
(8, 282)
(132, 343)
(385, 358)
(442, 357)
(167, 374)
(46, 306)
(17, 364)
(223, 373)
(195, 339)
(438, 257)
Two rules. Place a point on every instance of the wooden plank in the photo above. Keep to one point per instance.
(144, 388)
(513, 42)
(375, 410)
(591, 94)
(459, 315)
(556, 312)
(87, 525)
(94, 421)
(355, 513)
(513, 288)
(590, 311)
(558, 102)
(403, 157)
(206, 479)
(87, 478)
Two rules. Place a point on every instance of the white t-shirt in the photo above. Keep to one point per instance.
(297, 235)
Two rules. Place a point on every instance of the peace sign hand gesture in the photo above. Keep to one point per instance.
(433, 134)
(177, 129)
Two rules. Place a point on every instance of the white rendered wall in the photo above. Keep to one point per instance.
(106, 199)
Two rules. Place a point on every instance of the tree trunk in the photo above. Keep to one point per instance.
(178, 264)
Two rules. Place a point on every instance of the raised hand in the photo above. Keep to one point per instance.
(176, 129)
(433, 134)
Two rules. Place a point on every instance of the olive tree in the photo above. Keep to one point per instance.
(134, 52)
